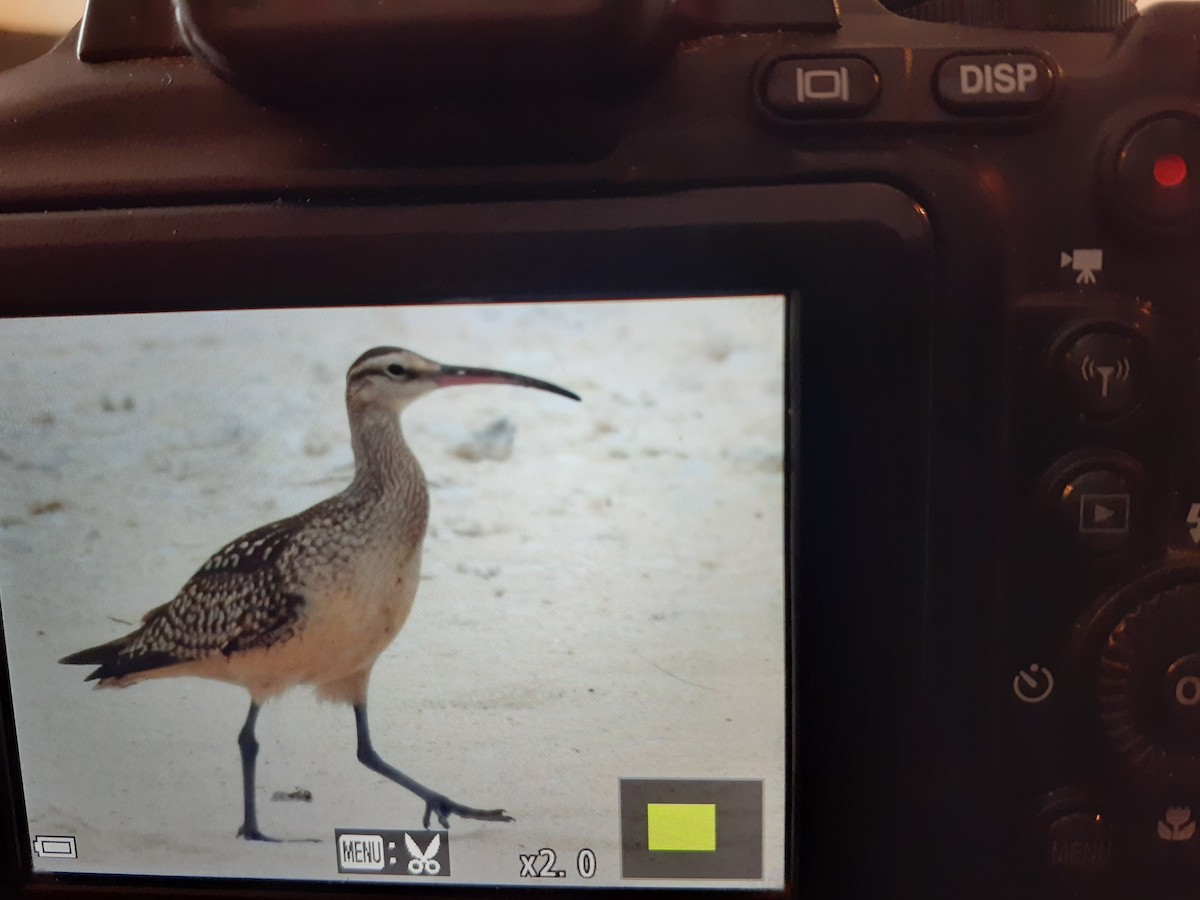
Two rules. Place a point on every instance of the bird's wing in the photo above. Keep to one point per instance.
(238, 600)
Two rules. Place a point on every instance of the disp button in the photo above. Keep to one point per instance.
(993, 83)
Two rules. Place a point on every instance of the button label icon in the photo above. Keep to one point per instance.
(376, 851)
(360, 852)
(1089, 371)
(1103, 371)
(1104, 513)
(1086, 262)
(1178, 825)
(1000, 78)
(422, 862)
(822, 84)
(1193, 519)
(1187, 690)
(993, 83)
(1034, 684)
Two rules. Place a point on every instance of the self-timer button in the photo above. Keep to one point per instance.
(1158, 172)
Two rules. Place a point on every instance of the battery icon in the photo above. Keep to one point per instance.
(55, 846)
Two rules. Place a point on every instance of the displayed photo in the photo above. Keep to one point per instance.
(487, 593)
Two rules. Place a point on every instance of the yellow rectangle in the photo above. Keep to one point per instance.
(681, 826)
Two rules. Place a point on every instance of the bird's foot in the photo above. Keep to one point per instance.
(253, 834)
(256, 835)
(443, 807)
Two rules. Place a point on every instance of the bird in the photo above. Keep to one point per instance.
(315, 598)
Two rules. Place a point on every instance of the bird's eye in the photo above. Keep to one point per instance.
(397, 369)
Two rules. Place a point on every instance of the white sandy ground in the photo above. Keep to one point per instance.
(606, 602)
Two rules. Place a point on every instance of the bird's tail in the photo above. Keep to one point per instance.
(106, 656)
(98, 655)
(114, 664)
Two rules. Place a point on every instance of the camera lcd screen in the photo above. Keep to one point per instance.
(589, 687)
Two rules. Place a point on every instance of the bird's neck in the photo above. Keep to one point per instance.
(382, 459)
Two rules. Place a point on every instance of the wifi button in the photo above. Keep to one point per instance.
(1103, 372)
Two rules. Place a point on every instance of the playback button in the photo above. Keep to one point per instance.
(1099, 505)
(801, 87)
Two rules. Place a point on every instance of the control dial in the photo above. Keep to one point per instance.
(1148, 677)
(1049, 15)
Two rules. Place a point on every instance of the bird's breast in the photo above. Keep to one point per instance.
(359, 593)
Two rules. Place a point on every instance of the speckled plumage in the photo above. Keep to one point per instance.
(359, 549)
(314, 598)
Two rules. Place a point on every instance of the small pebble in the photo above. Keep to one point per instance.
(494, 442)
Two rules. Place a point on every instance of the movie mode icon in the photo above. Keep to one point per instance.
(389, 852)
(691, 828)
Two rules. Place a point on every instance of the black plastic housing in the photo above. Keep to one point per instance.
(922, 249)
(379, 51)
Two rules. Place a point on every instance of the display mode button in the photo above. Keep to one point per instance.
(997, 83)
(799, 87)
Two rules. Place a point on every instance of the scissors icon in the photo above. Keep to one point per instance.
(423, 863)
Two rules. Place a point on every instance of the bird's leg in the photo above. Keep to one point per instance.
(249, 747)
(435, 804)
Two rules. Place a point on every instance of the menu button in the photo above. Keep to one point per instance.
(995, 83)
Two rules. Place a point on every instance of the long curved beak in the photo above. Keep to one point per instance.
(447, 376)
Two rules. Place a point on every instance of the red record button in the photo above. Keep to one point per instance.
(1158, 172)
(1170, 170)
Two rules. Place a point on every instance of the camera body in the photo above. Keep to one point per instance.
(985, 236)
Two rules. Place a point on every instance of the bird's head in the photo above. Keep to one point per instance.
(392, 378)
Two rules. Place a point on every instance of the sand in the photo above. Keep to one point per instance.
(605, 602)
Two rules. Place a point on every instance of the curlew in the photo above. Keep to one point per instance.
(315, 598)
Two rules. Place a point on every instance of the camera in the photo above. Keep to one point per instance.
(815, 512)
